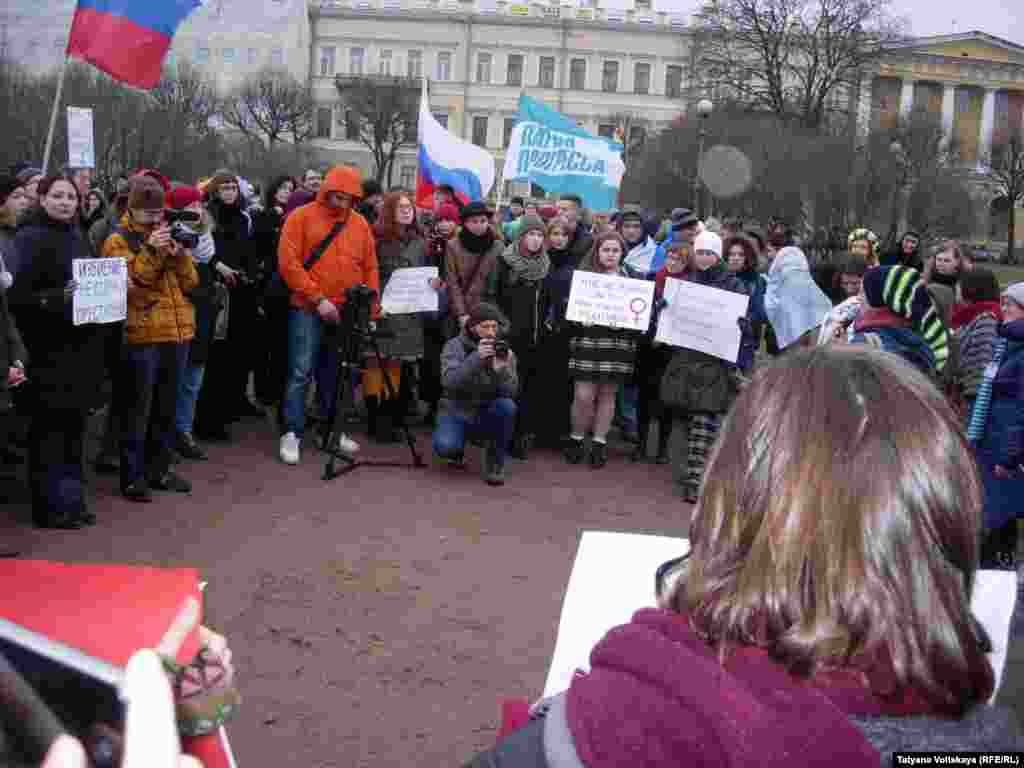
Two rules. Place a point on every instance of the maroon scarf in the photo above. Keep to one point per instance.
(964, 314)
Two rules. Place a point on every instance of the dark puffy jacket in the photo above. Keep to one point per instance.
(470, 384)
(883, 329)
(522, 302)
(697, 382)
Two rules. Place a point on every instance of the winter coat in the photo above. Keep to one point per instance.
(266, 237)
(350, 260)
(469, 383)
(754, 285)
(233, 236)
(66, 370)
(884, 329)
(580, 244)
(410, 251)
(695, 381)
(8, 229)
(793, 302)
(557, 286)
(1003, 441)
(205, 298)
(659, 696)
(468, 274)
(12, 349)
(522, 302)
(977, 340)
(159, 311)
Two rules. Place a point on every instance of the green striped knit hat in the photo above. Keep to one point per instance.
(901, 290)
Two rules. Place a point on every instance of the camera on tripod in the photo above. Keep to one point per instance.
(358, 309)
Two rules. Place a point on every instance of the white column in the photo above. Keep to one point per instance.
(948, 106)
(906, 98)
(988, 124)
(864, 107)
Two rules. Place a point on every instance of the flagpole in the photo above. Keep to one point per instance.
(53, 114)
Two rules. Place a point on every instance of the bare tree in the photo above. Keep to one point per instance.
(789, 57)
(1006, 171)
(382, 112)
(271, 108)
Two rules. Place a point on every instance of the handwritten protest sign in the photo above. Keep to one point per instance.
(408, 291)
(617, 302)
(702, 318)
(102, 293)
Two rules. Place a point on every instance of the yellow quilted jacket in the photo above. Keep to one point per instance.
(159, 312)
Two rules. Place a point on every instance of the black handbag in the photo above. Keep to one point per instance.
(279, 288)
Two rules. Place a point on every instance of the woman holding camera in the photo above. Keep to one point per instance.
(65, 373)
(161, 324)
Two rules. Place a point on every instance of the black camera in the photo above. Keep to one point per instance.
(182, 227)
(356, 313)
(500, 349)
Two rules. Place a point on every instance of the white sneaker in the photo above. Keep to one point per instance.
(347, 445)
(290, 448)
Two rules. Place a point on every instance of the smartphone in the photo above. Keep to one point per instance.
(46, 685)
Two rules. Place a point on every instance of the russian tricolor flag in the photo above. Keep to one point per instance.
(127, 39)
(444, 158)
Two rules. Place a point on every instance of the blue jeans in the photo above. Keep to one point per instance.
(495, 421)
(148, 399)
(305, 331)
(188, 393)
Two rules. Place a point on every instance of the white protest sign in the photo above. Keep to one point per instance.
(408, 291)
(81, 151)
(102, 293)
(702, 318)
(610, 300)
(599, 598)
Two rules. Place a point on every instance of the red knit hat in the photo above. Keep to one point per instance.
(448, 212)
(183, 197)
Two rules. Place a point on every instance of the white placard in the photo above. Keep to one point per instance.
(408, 291)
(81, 151)
(702, 318)
(102, 293)
(610, 300)
(599, 598)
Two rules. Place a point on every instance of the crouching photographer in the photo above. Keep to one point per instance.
(478, 373)
(160, 327)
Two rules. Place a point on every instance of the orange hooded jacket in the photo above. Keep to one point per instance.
(351, 258)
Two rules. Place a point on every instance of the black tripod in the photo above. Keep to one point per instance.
(352, 342)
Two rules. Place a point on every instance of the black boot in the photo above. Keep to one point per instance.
(187, 446)
(598, 455)
(574, 451)
(389, 427)
(664, 434)
(372, 403)
(640, 452)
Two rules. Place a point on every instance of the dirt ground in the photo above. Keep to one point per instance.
(376, 620)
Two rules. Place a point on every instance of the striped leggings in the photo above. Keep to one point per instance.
(702, 429)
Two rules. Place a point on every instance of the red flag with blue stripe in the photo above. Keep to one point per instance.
(127, 39)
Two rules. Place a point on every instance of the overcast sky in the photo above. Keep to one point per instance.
(1002, 18)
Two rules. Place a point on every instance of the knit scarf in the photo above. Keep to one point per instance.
(983, 401)
(964, 314)
(526, 267)
(478, 244)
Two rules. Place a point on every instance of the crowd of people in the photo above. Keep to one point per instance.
(236, 298)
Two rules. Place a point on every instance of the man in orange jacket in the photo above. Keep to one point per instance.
(318, 292)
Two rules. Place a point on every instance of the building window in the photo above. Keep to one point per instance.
(59, 45)
(637, 136)
(510, 124)
(606, 130)
(480, 130)
(384, 64)
(323, 122)
(355, 60)
(202, 54)
(277, 56)
(578, 74)
(229, 55)
(546, 78)
(415, 64)
(610, 76)
(407, 177)
(483, 67)
(643, 5)
(442, 119)
(674, 81)
(327, 61)
(515, 69)
(444, 66)
(642, 79)
(253, 57)
(351, 125)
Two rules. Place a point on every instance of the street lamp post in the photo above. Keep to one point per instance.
(704, 109)
(900, 201)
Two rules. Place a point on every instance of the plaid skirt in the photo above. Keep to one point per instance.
(597, 353)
